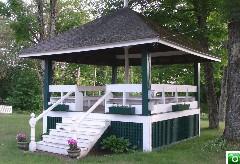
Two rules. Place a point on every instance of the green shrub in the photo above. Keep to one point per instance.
(116, 145)
(215, 145)
(220, 144)
(25, 91)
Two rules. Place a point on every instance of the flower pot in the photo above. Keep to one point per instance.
(180, 107)
(23, 145)
(122, 110)
(74, 153)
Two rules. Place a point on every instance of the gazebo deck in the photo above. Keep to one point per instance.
(99, 109)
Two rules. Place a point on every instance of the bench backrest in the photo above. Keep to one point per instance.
(5, 109)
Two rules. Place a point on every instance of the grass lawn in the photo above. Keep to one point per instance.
(183, 153)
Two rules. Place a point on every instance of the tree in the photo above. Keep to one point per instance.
(232, 122)
(28, 23)
(53, 18)
(183, 16)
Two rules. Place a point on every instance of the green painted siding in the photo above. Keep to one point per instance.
(128, 130)
(173, 130)
(51, 122)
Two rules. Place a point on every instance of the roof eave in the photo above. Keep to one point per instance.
(190, 51)
(126, 44)
(92, 48)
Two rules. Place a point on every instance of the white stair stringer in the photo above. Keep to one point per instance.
(88, 132)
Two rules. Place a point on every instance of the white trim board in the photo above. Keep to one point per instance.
(126, 44)
(95, 47)
(110, 117)
(187, 50)
(172, 115)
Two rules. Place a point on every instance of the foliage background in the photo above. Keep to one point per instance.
(20, 79)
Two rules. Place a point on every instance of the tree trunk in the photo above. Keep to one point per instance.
(211, 96)
(38, 64)
(201, 17)
(232, 121)
(53, 18)
(40, 19)
(223, 97)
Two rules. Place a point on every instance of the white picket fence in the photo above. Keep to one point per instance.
(5, 109)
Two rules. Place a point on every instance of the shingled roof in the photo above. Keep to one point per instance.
(108, 34)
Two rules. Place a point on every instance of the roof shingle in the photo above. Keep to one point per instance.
(121, 26)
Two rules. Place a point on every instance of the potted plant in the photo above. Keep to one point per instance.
(125, 110)
(180, 107)
(74, 150)
(22, 141)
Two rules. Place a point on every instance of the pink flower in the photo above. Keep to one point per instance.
(72, 144)
(21, 137)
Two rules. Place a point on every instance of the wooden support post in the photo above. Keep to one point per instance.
(146, 82)
(125, 94)
(47, 81)
(197, 81)
(114, 74)
(126, 65)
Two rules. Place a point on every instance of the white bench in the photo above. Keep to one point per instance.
(5, 109)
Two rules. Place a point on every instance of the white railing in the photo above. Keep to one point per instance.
(81, 97)
(74, 102)
(95, 94)
(174, 89)
(34, 120)
(160, 94)
(5, 109)
(77, 120)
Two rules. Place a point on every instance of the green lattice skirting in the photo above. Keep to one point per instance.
(173, 130)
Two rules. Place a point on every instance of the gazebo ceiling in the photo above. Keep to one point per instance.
(102, 42)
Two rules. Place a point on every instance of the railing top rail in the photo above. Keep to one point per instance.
(173, 88)
(67, 88)
(62, 88)
(154, 87)
(91, 88)
(124, 88)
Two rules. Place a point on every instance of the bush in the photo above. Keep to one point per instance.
(220, 144)
(25, 91)
(215, 145)
(116, 145)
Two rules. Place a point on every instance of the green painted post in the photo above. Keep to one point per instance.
(146, 81)
(47, 81)
(197, 81)
(114, 74)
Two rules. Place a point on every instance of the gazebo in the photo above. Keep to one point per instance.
(149, 115)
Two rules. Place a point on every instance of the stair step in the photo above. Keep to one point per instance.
(79, 128)
(55, 148)
(65, 138)
(63, 141)
(88, 123)
(81, 125)
(66, 133)
(69, 120)
(87, 133)
(81, 137)
(44, 147)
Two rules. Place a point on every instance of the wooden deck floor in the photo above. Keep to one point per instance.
(99, 109)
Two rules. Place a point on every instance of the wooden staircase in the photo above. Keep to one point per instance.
(87, 133)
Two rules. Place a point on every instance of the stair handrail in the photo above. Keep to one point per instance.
(34, 120)
(97, 103)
